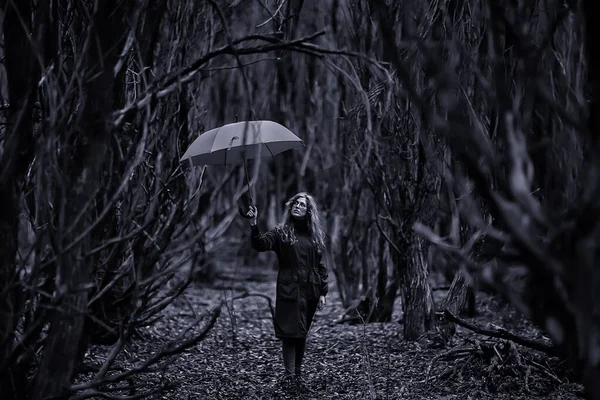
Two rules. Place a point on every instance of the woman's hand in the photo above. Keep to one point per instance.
(252, 214)
(321, 303)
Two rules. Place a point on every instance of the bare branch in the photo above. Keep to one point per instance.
(501, 334)
(174, 347)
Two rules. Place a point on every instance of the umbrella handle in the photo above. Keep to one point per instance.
(243, 212)
(248, 182)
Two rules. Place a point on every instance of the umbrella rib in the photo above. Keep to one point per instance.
(270, 152)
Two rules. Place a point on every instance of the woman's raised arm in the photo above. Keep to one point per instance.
(261, 241)
(264, 241)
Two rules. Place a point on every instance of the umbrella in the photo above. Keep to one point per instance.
(223, 145)
(240, 141)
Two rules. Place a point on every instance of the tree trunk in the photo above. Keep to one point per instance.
(455, 301)
(65, 343)
(419, 312)
(365, 276)
(346, 270)
(591, 369)
(22, 75)
(387, 286)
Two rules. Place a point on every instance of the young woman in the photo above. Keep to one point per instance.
(302, 279)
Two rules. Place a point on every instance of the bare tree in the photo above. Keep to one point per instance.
(102, 227)
(403, 179)
(497, 142)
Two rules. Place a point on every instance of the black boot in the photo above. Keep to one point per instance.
(300, 382)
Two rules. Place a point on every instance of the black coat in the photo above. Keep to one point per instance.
(301, 279)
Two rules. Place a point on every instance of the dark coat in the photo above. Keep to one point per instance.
(301, 279)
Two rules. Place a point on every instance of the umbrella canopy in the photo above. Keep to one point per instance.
(223, 145)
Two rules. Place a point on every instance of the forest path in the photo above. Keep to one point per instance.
(241, 358)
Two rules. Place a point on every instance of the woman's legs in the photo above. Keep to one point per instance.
(289, 355)
(299, 349)
(293, 355)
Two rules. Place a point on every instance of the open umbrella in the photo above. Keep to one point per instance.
(240, 141)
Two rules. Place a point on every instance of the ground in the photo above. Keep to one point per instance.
(240, 358)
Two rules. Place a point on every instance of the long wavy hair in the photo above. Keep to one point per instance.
(313, 222)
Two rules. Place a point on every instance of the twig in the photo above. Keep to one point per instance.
(501, 334)
(167, 351)
(519, 361)
(108, 207)
(386, 237)
(545, 371)
(186, 75)
(264, 296)
(128, 42)
(272, 14)
(238, 60)
(119, 239)
(331, 347)
(465, 364)
(434, 238)
(367, 358)
(460, 352)
(168, 84)
(98, 394)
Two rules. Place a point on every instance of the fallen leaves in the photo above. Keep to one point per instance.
(241, 359)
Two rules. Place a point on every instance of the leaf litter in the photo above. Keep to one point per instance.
(241, 359)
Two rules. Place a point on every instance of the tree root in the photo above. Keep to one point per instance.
(493, 364)
(453, 354)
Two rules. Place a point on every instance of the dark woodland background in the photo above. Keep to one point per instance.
(451, 146)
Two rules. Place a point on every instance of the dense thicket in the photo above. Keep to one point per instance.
(473, 122)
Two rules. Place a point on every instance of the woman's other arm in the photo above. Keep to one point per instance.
(324, 287)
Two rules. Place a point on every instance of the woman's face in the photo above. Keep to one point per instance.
(299, 208)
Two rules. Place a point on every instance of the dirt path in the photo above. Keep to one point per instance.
(240, 359)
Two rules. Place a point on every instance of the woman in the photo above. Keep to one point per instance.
(302, 279)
